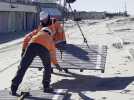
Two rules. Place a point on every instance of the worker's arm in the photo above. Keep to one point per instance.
(22, 52)
(53, 55)
(25, 44)
(26, 40)
(54, 59)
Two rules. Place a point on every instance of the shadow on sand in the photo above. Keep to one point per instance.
(92, 83)
(76, 51)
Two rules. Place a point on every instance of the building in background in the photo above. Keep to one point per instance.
(18, 16)
(23, 15)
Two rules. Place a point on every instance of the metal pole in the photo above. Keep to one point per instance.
(85, 40)
(64, 8)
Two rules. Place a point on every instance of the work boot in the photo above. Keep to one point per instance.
(48, 90)
(13, 90)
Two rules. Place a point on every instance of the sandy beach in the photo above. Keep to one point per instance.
(117, 83)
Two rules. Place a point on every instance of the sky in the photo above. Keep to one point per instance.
(104, 5)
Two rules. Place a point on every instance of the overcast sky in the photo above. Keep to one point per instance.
(104, 5)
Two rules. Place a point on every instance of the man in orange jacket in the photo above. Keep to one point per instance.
(40, 45)
(58, 33)
(58, 36)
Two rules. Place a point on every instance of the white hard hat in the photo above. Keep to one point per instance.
(43, 15)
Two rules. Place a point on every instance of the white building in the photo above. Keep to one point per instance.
(23, 15)
(17, 16)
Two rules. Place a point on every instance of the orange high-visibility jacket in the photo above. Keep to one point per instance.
(27, 38)
(44, 39)
(58, 32)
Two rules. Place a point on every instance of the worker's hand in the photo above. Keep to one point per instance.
(58, 67)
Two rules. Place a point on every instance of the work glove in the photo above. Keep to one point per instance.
(58, 67)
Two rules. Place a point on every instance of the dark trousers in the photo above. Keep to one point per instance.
(32, 51)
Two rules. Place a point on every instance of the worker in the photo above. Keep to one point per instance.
(58, 33)
(40, 45)
(58, 36)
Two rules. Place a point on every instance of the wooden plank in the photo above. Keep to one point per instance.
(59, 94)
(5, 95)
(79, 57)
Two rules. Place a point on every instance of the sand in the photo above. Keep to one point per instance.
(117, 83)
